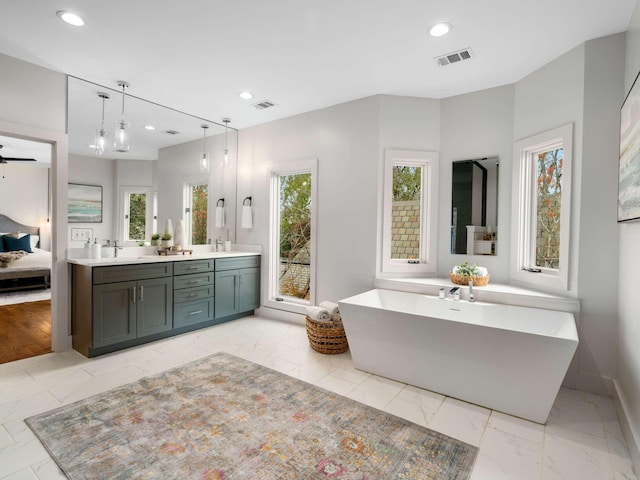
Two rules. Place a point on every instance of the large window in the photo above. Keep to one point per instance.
(409, 222)
(542, 182)
(196, 212)
(292, 236)
(137, 214)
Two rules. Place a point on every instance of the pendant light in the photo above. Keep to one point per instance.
(100, 143)
(225, 161)
(121, 134)
(204, 161)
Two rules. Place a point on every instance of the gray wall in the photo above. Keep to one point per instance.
(628, 378)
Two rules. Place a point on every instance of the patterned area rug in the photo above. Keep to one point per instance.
(223, 417)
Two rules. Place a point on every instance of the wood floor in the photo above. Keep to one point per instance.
(25, 330)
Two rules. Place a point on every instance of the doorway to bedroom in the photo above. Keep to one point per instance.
(25, 246)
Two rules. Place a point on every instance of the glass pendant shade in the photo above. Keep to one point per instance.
(100, 141)
(204, 159)
(204, 163)
(225, 158)
(121, 136)
(121, 133)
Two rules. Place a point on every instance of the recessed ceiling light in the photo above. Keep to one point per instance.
(149, 127)
(70, 18)
(439, 29)
(246, 95)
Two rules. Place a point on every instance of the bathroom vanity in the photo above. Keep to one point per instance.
(122, 302)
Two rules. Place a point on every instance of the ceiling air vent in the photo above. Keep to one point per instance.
(264, 104)
(172, 132)
(454, 57)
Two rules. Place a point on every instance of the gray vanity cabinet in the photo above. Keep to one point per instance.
(118, 304)
(237, 285)
(128, 310)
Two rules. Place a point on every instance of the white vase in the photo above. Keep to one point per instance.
(179, 235)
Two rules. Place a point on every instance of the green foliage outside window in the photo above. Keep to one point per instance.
(295, 235)
(199, 208)
(137, 216)
(549, 194)
(407, 183)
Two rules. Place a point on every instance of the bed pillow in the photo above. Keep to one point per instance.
(12, 244)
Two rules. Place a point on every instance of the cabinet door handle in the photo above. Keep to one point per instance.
(193, 295)
(133, 294)
(142, 293)
(196, 312)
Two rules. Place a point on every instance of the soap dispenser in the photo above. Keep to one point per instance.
(96, 249)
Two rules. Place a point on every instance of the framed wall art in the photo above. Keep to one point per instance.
(84, 203)
(629, 162)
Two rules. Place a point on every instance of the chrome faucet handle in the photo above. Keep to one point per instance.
(472, 297)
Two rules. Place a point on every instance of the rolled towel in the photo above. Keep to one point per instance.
(318, 313)
(482, 272)
(331, 307)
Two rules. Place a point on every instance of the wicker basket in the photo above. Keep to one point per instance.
(464, 280)
(327, 337)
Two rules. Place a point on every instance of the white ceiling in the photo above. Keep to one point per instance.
(196, 55)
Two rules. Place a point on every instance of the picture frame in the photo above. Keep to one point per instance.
(629, 159)
(84, 203)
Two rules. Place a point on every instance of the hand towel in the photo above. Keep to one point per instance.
(247, 217)
(317, 313)
(331, 307)
(219, 217)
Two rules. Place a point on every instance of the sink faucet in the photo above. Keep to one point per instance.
(472, 297)
(116, 247)
(455, 293)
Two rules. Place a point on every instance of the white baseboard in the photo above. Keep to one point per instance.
(282, 315)
(631, 436)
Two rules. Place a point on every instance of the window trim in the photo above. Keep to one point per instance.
(290, 168)
(428, 223)
(524, 205)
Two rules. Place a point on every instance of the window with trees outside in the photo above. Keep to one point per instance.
(137, 214)
(409, 224)
(196, 212)
(292, 235)
(542, 182)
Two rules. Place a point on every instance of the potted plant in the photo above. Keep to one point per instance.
(167, 240)
(155, 240)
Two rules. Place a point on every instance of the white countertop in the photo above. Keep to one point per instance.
(150, 258)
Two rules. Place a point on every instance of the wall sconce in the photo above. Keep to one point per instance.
(122, 132)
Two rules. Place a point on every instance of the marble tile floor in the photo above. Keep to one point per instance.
(582, 439)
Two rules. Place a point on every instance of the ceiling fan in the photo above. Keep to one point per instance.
(14, 159)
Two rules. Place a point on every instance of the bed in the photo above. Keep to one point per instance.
(32, 270)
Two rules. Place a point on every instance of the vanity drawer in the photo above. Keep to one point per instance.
(237, 262)
(192, 294)
(185, 314)
(192, 266)
(126, 273)
(196, 280)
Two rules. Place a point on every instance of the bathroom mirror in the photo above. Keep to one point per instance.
(474, 206)
(163, 160)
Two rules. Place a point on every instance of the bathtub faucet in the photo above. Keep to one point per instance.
(472, 297)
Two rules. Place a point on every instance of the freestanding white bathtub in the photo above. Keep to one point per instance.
(511, 359)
